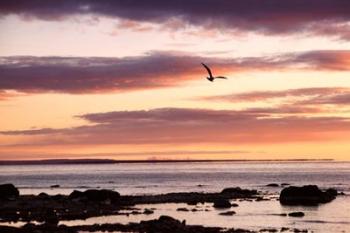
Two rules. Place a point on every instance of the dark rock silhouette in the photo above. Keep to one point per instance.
(332, 192)
(182, 209)
(95, 195)
(93, 203)
(164, 224)
(272, 185)
(222, 203)
(51, 217)
(43, 196)
(228, 213)
(296, 214)
(237, 191)
(285, 184)
(8, 192)
(148, 211)
(192, 202)
(306, 195)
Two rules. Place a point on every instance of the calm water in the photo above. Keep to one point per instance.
(154, 178)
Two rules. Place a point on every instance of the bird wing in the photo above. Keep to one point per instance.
(221, 77)
(207, 68)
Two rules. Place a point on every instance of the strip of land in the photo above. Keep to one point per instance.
(112, 161)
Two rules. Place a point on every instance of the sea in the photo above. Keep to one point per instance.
(166, 177)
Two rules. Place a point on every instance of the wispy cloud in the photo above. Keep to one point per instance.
(322, 94)
(190, 126)
(155, 70)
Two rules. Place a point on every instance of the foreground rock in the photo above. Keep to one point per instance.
(8, 192)
(95, 195)
(93, 203)
(164, 224)
(306, 195)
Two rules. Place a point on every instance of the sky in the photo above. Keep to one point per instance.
(123, 79)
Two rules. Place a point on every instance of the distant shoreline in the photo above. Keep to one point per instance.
(111, 161)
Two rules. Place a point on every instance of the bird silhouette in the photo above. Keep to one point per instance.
(211, 77)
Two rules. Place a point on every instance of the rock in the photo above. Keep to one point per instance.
(222, 203)
(285, 184)
(272, 185)
(182, 209)
(192, 202)
(43, 195)
(148, 211)
(135, 212)
(300, 231)
(75, 194)
(55, 186)
(237, 191)
(95, 195)
(282, 215)
(268, 230)
(51, 217)
(296, 214)
(332, 192)
(234, 205)
(102, 195)
(261, 199)
(228, 213)
(58, 197)
(305, 195)
(8, 191)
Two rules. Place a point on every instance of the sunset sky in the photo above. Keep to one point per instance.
(123, 79)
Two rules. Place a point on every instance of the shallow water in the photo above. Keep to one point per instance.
(332, 217)
(151, 178)
(154, 178)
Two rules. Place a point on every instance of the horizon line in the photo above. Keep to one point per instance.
(113, 161)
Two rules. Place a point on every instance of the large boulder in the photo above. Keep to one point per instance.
(8, 191)
(306, 195)
(95, 195)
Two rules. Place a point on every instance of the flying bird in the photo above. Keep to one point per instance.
(211, 77)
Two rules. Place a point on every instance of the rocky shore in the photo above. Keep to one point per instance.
(47, 211)
(92, 203)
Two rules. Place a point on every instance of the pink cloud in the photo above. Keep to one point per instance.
(191, 126)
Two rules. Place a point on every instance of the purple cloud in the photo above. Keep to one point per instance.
(269, 17)
(97, 75)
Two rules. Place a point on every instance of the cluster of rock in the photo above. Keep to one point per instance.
(164, 224)
(80, 205)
